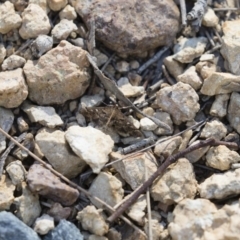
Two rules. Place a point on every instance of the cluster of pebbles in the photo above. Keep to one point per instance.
(51, 102)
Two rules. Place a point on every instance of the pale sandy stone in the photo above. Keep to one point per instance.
(174, 67)
(16, 172)
(166, 118)
(147, 124)
(206, 68)
(122, 66)
(13, 62)
(44, 224)
(3, 53)
(101, 57)
(68, 13)
(57, 5)
(210, 19)
(219, 106)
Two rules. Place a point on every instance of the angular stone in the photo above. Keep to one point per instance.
(206, 69)
(3, 53)
(27, 205)
(13, 88)
(11, 228)
(108, 188)
(44, 224)
(220, 185)
(68, 13)
(54, 80)
(13, 62)
(57, 151)
(57, 5)
(6, 193)
(64, 230)
(210, 19)
(166, 118)
(147, 124)
(91, 145)
(44, 115)
(101, 58)
(41, 45)
(92, 220)
(176, 184)
(179, 100)
(34, 22)
(219, 106)
(9, 18)
(221, 158)
(134, 26)
(220, 82)
(234, 111)
(42, 181)
(189, 48)
(58, 212)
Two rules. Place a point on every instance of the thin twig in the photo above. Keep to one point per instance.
(183, 12)
(210, 38)
(91, 37)
(158, 174)
(165, 73)
(72, 184)
(8, 150)
(152, 60)
(107, 62)
(225, 9)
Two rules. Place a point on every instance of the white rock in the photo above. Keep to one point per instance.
(220, 82)
(3, 53)
(57, 5)
(214, 129)
(191, 77)
(62, 30)
(59, 75)
(122, 66)
(44, 224)
(34, 22)
(166, 118)
(13, 62)
(93, 221)
(13, 88)
(101, 58)
(28, 205)
(9, 18)
(180, 101)
(174, 67)
(91, 145)
(132, 169)
(41, 45)
(210, 19)
(157, 229)
(108, 188)
(92, 100)
(147, 124)
(221, 157)
(191, 218)
(44, 115)
(219, 106)
(16, 172)
(68, 13)
(55, 148)
(137, 210)
(176, 184)
(22, 124)
(220, 185)
(134, 121)
(189, 48)
(6, 121)
(42, 4)
(206, 68)
(127, 89)
(207, 57)
(6, 192)
(166, 148)
(234, 111)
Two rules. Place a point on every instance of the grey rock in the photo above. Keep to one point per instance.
(11, 228)
(41, 45)
(234, 111)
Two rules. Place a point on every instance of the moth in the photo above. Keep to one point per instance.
(111, 117)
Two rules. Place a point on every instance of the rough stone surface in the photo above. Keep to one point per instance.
(206, 69)
(108, 188)
(219, 106)
(174, 67)
(220, 185)
(34, 22)
(189, 48)
(13, 62)
(9, 18)
(44, 224)
(234, 111)
(210, 19)
(221, 158)
(57, 151)
(92, 100)
(68, 13)
(44, 115)
(147, 124)
(27, 205)
(127, 89)
(132, 169)
(166, 118)
(59, 75)
(121, 27)
(42, 181)
(220, 82)
(6, 193)
(2, 53)
(63, 29)
(179, 100)
(22, 124)
(177, 183)
(57, 5)
(41, 45)
(92, 220)
(122, 66)
(6, 121)
(191, 77)
(11, 228)
(58, 212)
(13, 88)
(64, 230)
(214, 129)
(91, 145)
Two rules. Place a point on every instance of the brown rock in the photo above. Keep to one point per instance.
(132, 26)
(45, 183)
(59, 75)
